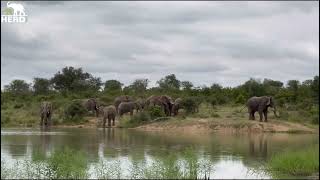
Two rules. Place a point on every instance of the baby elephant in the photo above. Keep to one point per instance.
(109, 113)
(125, 107)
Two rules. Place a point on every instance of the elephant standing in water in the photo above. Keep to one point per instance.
(261, 105)
(45, 113)
(176, 106)
(109, 113)
(125, 107)
(91, 105)
(121, 99)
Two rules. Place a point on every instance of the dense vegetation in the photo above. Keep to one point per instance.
(20, 100)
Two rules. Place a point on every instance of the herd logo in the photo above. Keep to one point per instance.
(13, 13)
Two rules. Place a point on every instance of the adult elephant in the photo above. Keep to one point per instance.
(260, 104)
(125, 107)
(176, 106)
(121, 99)
(45, 113)
(91, 105)
(164, 101)
(141, 103)
(108, 113)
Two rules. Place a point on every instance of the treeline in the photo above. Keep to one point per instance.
(75, 82)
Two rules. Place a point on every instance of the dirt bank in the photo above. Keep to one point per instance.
(209, 125)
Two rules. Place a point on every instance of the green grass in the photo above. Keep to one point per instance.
(297, 163)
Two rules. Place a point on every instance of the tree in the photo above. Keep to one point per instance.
(41, 85)
(293, 86)
(139, 86)
(71, 79)
(169, 82)
(18, 87)
(254, 88)
(186, 85)
(216, 87)
(315, 88)
(113, 86)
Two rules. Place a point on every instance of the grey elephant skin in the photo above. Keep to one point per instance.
(164, 101)
(45, 113)
(260, 104)
(125, 107)
(91, 105)
(121, 99)
(108, 113)
(141, 104)
(176, 106)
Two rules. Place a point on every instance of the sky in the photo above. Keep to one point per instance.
(202, 42)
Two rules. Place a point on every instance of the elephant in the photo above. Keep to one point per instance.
(164, 101)
(91, 105)
(176, 106)
(45, 113)
(108, 112)
(260, 104)
(121, 99)
(125, 107)
(141, 103)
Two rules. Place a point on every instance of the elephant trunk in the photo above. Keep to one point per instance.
(275, 112)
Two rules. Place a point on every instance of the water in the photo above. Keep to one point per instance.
(128, 151)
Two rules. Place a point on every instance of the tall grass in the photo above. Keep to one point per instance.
(297, 163)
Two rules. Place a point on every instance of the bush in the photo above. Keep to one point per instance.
(107, 99)
(67, 164)
(314, 114)
(155, 112)
(240, 99)
(74, 112)
(18, 106)
(213, 101)
(189, 104)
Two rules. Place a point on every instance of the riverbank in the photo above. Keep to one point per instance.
(221, 125)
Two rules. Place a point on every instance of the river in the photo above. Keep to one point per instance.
(216, 155)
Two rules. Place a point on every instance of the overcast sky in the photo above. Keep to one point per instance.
(202, 42)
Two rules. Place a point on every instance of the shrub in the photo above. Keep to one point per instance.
(314, 114)
(68, 163)
(155, 112)
(213, 101)
(240, 99)
(18, 106)
(74, 111)
(189, 104)
(107, 99)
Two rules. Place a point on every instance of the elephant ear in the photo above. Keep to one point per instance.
(269, 100)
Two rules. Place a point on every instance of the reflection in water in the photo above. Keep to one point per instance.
(230, 156)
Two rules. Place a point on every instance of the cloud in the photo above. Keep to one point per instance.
(203, 42)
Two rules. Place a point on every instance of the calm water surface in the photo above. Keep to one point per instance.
(229, 156)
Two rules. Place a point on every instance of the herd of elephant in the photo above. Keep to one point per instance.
(127, 104)
(121, 105)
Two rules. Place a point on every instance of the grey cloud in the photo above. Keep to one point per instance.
(204, 42)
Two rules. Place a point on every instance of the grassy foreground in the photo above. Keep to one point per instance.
(296, 163)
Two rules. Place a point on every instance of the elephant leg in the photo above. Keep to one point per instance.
(260, 115)
(253, 118)
(109, 122)
(265, 113)
(113, 119)
(41, 121)
(104, 122)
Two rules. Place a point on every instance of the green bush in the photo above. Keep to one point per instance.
(74, 111)
(107, 99)
(68, 163)
(314, 114)
(212, 100)
(155, 112)
(189, 104)
(240, 99)
(18, 105)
